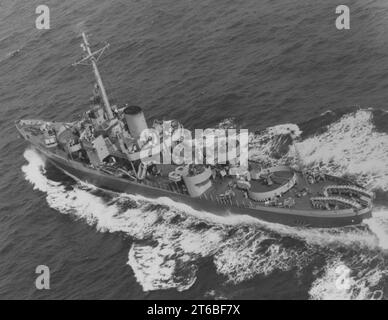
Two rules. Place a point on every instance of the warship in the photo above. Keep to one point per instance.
(107, 148)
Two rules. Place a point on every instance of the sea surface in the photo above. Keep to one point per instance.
(273, 67)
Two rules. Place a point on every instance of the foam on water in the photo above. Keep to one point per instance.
(350, 146)
(249, 253)
(379, 226)
(347, 281)
(266, 144)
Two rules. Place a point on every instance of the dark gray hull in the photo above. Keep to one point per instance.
(274, 215)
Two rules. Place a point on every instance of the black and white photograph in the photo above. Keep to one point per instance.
(176, 150)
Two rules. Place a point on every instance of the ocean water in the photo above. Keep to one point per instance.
(270, 66)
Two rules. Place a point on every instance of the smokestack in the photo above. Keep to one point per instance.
(136, 122)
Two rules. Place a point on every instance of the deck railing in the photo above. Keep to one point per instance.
(221, 200)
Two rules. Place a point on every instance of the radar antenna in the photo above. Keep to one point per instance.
(92, 58)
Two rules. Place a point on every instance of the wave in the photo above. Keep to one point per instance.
(10, 55)
(379, 225)
(350, 146)
(270, 146)
(347, 281)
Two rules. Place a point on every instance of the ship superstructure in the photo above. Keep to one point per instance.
(113, 148)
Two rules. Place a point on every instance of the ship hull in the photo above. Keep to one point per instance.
(121, 185)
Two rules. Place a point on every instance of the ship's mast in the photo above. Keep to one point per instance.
(93, 57)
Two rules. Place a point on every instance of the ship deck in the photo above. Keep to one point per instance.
(301, 193)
